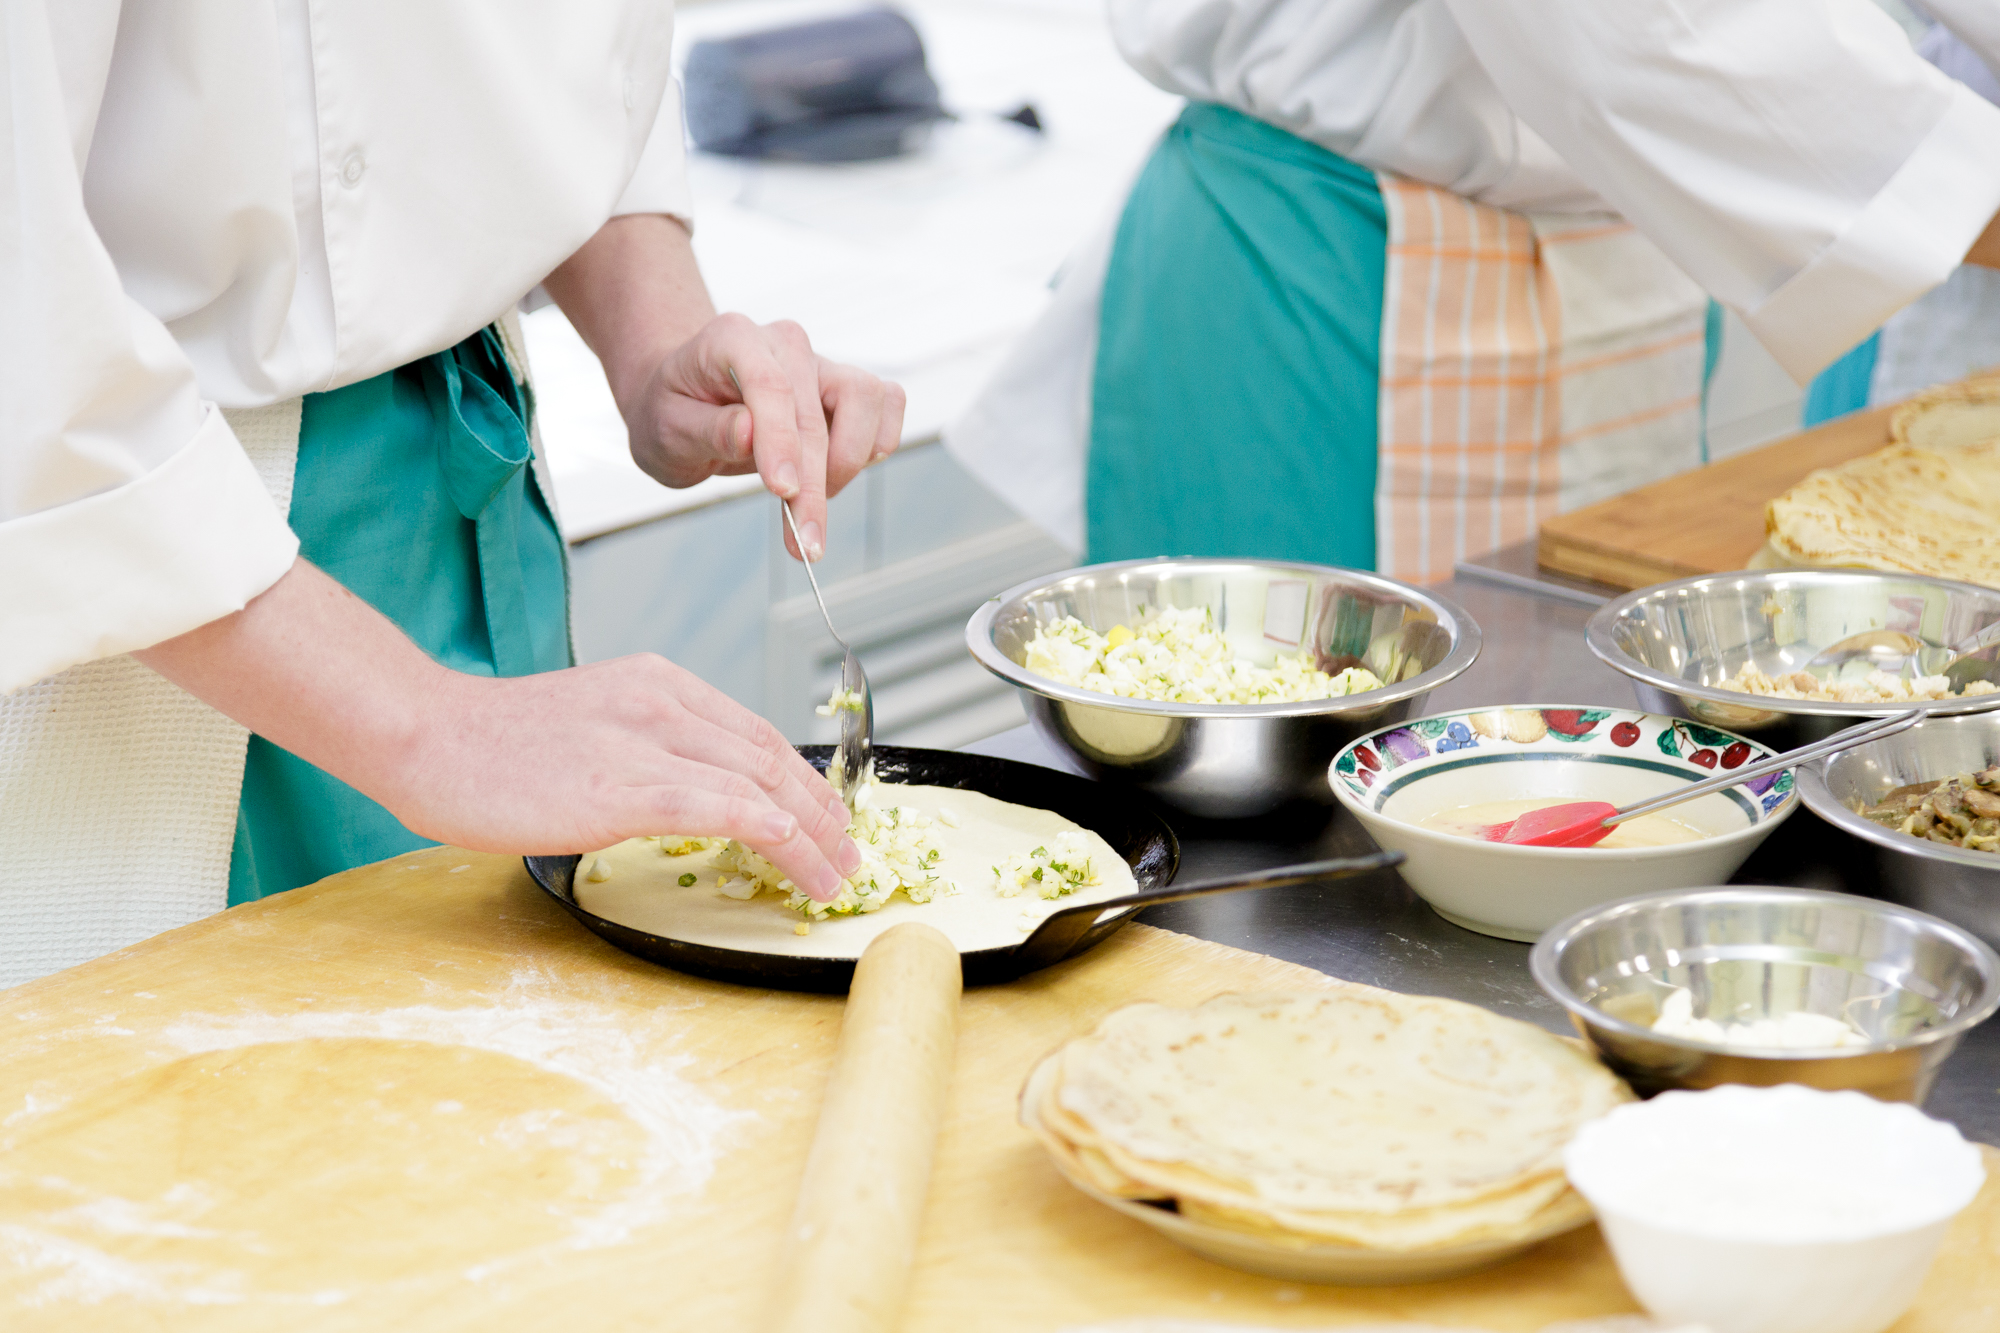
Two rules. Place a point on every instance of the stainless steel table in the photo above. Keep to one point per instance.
(1375, 930)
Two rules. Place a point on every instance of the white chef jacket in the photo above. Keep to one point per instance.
(229, 203)
(1795, 157)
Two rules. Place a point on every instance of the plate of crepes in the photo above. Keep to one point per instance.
(1349, 1136)
(1928, 503)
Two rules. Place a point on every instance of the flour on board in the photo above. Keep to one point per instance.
(87, 1247)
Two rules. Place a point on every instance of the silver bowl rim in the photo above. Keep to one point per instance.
(1819, 798)
(1466, 641)
(1547, 951)
(1762, 827)
(1598, 636)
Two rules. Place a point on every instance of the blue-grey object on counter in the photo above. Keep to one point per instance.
(844, 89)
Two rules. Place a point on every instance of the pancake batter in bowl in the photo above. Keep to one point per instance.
(1466, 821)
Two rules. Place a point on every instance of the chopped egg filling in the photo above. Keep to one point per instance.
(1176, 655)
(899, 854)
(1063, 866)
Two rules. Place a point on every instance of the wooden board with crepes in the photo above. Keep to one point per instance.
(1713, 519)
(313, 1113)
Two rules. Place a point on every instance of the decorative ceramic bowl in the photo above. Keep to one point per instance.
(1395, 777)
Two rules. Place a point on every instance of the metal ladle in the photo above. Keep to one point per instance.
(855, 704)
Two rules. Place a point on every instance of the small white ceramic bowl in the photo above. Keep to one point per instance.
(1774, 1210)
(1398, 775)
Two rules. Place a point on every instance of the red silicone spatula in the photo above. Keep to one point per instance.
(1585, 823)
(1571, 824)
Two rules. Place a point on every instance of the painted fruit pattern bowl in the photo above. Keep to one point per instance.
(1366, 768)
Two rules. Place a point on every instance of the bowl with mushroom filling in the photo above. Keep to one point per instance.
(1927, 802)
(1220, 687)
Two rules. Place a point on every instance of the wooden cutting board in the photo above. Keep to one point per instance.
(1702, 522)
(417, 1096)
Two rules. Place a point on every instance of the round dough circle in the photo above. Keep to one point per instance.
(320, 1165)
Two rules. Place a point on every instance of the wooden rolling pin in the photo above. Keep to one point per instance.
(853, 1234)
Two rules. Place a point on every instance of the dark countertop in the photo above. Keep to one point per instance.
(1376, 930)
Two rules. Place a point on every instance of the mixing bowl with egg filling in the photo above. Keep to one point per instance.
(1381, 646)
(1424, 787)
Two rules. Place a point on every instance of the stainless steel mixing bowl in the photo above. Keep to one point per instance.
(1679, 641)
(1912, 983)
(1959, 885)
(1228, 761)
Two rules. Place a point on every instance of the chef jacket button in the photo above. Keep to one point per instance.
(352, 169)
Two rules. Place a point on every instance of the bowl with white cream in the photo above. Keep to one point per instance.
(1774, 1210)
(1697, 988)
(1428, 787)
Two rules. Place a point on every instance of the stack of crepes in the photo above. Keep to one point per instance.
(1345, 1117)
(1927, 504)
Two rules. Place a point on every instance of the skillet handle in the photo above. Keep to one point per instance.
(1060, 931)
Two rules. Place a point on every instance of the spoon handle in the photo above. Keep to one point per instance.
(793, 524)
(1841, 740)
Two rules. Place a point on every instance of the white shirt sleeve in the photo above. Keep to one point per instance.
(1390, 84)
(1798, 160)
(660, 182)
(128, 511)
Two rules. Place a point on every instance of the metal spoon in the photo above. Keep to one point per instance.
(1893, 651)
(854, 758)
(1585, 823)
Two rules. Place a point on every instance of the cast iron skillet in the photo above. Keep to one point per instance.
(1134, 831)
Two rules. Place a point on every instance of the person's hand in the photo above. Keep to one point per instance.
(566, 761)
(741, 397)
(705, 394)
(580, 759)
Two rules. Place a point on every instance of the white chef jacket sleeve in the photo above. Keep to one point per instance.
(1798, 160)
(1392, 86)
(128, 511)
(660, 182)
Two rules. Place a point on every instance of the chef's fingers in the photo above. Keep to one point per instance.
(890, 437)
(853, 400)
(699, 699)
(713, 810)
(735, 361)
(701, 741)
(793, 351)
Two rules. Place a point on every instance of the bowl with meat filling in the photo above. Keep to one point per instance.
(1928, 802)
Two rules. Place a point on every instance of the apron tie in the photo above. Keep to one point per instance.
(483, 451)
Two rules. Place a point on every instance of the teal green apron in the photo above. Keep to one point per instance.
(1234, 401)
(1233, 407)
(1843, 386)
(414, 490)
